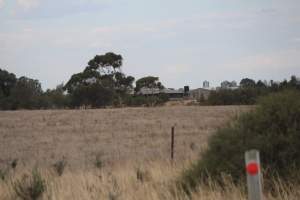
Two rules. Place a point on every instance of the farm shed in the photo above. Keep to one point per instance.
(171, 93)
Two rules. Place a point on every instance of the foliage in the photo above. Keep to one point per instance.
(243, 96)
(7, 82)
(146, 100)
(249, 92)
(101, 83)
(106, 64)
(99, 162)
(26, 93)
(30, 187)
(148, 82)
(142, 175)
(273, 128)
(56, 98)
(247, 82)
(59, 166)
(94, 95)
(3, 174)
(14, 164)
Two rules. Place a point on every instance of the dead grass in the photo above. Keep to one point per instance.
(44, 137)
(120, 182)
(128, 140)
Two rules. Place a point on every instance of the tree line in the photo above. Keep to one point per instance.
(102, 83)
(249, 92)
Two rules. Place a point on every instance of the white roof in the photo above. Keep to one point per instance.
(159, 91)
(171, 91)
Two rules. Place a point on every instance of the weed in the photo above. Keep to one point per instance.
(14, 164)
(30, 188)
(3, 174)
(60, 166)
(193, 146)
(99, 162)
(142, 175)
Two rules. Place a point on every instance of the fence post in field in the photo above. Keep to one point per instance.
(172, 143)
(254, 176)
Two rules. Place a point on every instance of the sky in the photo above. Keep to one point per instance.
(182, 42)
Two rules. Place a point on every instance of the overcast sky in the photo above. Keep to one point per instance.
(182, 42)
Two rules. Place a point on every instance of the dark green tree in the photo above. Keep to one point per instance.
(110, 63)
(101, 83)
(7, 82)
(246, 82)
(26, 94)
(294, 82)
(260, 84)
(56, 98)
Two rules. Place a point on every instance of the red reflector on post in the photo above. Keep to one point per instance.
(252, 168)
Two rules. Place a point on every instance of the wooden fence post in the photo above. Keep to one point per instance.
(172, 143)
(254, 176)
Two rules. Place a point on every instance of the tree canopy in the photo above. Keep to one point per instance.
(247, 82)
(148, 82)
(7, 82)
(101, 82)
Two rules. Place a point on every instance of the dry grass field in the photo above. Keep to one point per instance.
(112, 153)
(118, 135)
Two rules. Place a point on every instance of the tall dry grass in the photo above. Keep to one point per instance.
(121, 182)
(131, 143)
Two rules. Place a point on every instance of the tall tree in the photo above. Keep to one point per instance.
(7, 82)
(56, 98)
(26, 93)
(247, 82)
(260, 84)
(103, 80)
(106, 64)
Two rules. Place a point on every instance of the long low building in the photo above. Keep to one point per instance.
(172, 93)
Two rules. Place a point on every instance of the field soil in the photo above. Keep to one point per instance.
(41, 138)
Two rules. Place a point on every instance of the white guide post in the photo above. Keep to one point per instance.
(254, 176)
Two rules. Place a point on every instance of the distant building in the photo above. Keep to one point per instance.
(178, 94)
(172, 93)
(148, 91)
(205, 84)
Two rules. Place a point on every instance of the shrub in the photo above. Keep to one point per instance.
(273, 128)
(30, 188)
(242, 96)
(60, 166)
(146, 100)
(142, 175)
(14, 164)
(99, 162)
(3, 174)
